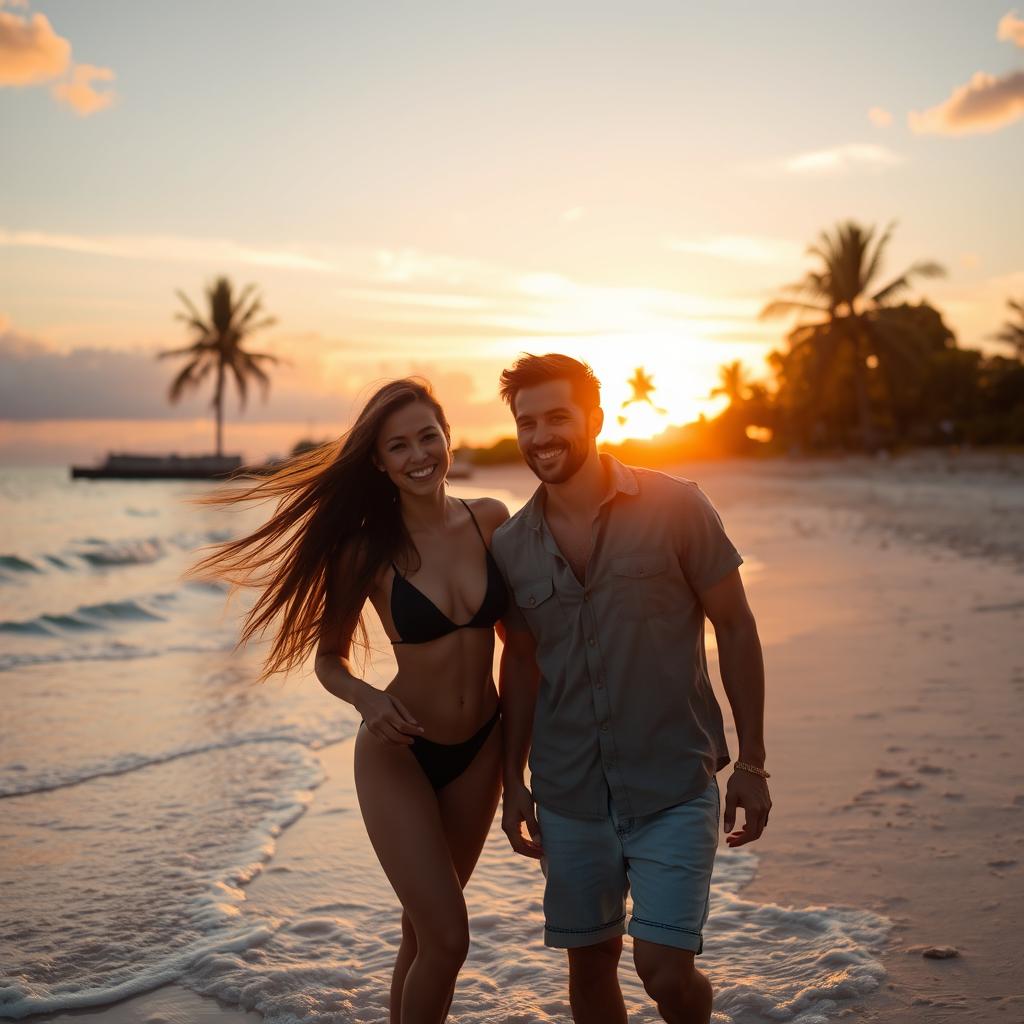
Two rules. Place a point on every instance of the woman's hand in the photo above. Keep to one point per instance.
(387, 717)
(518, 809)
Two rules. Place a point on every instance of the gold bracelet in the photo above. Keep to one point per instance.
(753, 769)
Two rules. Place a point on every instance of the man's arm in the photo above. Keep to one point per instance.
(518, 678)
(742, 667)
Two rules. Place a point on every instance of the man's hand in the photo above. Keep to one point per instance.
(518, 810)
(749, 791)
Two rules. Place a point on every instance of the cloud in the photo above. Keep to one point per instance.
(172, 249)
(743, 248)
(403, 297)
(30, 51)
(843, 158)
(323, 382)
(1011, 29)
(39, 382)
(79, 94)
(880, 116)
(59, 405)
(986, 104)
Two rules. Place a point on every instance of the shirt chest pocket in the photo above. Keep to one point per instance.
(537, 601)
(643, 585)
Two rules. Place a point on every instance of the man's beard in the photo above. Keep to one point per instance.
(568, 463)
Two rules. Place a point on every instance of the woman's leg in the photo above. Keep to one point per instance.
(406, 955)
(404, 824)
(468, 804)
(467, 807)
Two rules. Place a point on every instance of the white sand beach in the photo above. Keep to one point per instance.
(890, 600)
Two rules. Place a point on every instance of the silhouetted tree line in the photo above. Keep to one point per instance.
(860, 370)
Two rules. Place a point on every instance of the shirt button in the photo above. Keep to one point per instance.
(604, 727)
(599, 685)
(533, 600)
(591, 642)
(586, 595)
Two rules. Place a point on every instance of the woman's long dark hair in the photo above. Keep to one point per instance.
(330, 501)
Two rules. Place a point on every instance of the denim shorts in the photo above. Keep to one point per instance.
(664, 859)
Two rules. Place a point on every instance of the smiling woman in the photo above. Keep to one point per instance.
(363, 519)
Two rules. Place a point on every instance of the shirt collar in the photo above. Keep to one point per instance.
(621, 480)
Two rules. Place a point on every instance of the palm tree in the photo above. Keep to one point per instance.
(734, 382)
(850, 312)
(218, 346)
(643, 387)
(1013, 333)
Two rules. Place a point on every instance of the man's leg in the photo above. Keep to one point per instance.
(671, 855)
(585, 910)
(681, 992)
(594, 992)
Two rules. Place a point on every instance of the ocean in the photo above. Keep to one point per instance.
(146, 782)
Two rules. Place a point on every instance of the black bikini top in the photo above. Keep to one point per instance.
(418, 620)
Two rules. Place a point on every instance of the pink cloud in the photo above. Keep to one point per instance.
(1011, 29)
(985, 104)
(30, 51)
(79, 94)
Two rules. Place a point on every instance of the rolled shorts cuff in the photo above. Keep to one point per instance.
(666, 935)
(576, 938)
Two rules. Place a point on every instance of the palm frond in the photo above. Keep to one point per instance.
(250, 328)
(892, 289)
(811, 283)
(875, 263)
(187, 379)
(783, 307)
(189, 305)
(195, 323)
(194, 349)
(238, 370)
(259, 374)
(924, 268)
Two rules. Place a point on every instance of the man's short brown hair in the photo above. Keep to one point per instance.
(530, 370)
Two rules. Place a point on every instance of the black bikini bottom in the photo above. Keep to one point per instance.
(445, 762)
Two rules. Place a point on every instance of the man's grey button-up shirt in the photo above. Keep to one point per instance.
(625, 704)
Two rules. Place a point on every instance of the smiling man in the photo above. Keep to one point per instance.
(604, 683)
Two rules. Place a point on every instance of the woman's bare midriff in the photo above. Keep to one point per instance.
(447, 684)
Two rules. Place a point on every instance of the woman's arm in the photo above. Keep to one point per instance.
(385, 715)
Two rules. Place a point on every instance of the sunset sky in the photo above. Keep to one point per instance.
(435, 188)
